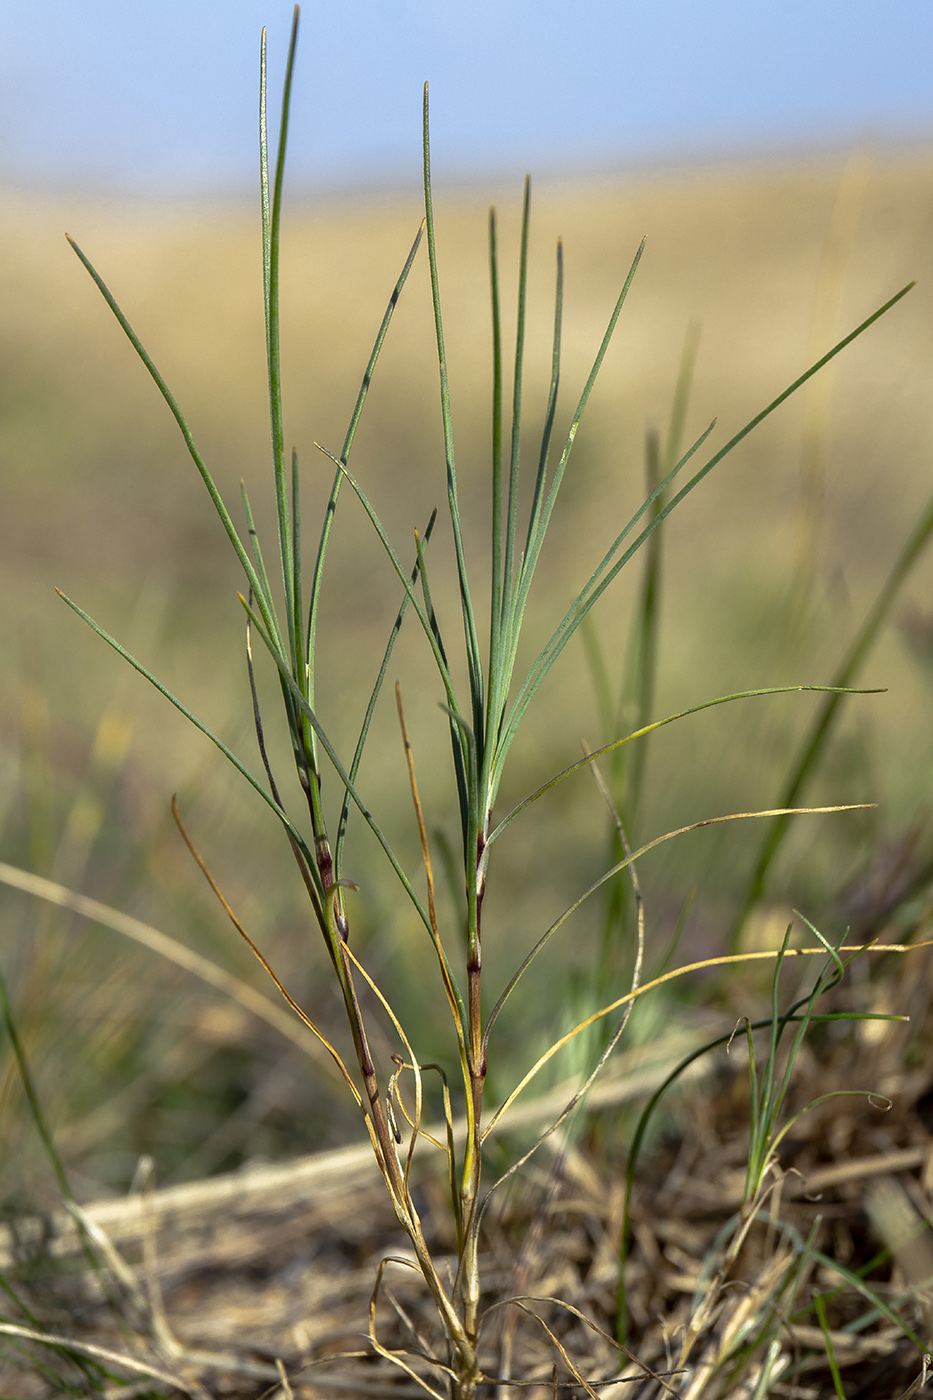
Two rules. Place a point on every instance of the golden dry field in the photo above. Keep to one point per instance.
(768, 570)
(772, 262)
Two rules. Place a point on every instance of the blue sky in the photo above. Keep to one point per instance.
(161, 96)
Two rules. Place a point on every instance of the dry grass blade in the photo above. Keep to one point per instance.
(303, 1017)
(456, 1008)
(397, 1358)
(557, 1345)
(917, 1384)
(169, 948)
(286, 1384)
(99, 1353)
(725, 960)
(523, 1300)
(728, 1319)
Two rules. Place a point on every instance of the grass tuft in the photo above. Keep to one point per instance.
(427, 1116)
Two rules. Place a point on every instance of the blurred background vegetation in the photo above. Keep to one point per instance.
(768, 568)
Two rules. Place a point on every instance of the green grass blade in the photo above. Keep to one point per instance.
(638, 689)
(318, 574)
(198, 724)
(500, 674)
(778, 1024)
(534, 517)
(325, 743)
(311, 875)
(640, 733)
(820, 1306)
(515, 446)
(464, 751)
(593, 590)
(161, 385)
(32, 1096)
(536, 540)
(370, 710)
(681, 401)
(361, 744)
(301, 669)
(302, 733)
(377, 346)
(828, 976)
(474, 662)
(256, 546)
(634, 1154)
(271, 241)
(48, 1144)
(647, 1113)
(603, 690)
(264, 185)
(815, 743)
(765, 1105)
(598, 581)
(257, 718)
(298, 732)
(833, 1266)
(755, 1094)
(439, 658)
(496, 587)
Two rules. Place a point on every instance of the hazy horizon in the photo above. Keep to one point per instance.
(130, 101)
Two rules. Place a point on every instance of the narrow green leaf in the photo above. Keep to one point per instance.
(638, 1138)
(272, 233)
(529, 563)
(370, 710)
(501, 668)
(474, 662)
(531, 558)
(820, 1306)
(343, 775)
(32, 1096)
(241, 553)
(886, 1311)
(51, 1151)
(595, 586)
(198, 724)
(606, 706)
(301, 667)
(310, 874)
(318, 575)
(464, 753)
(515, 450)
(594, 590)
(623, 864)
(256, 548)
(406, 582)
(496, 589)
(639, 733)
(265, 210)
(637, 699)
(534, 516)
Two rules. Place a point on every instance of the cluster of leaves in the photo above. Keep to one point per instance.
(282, 609)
